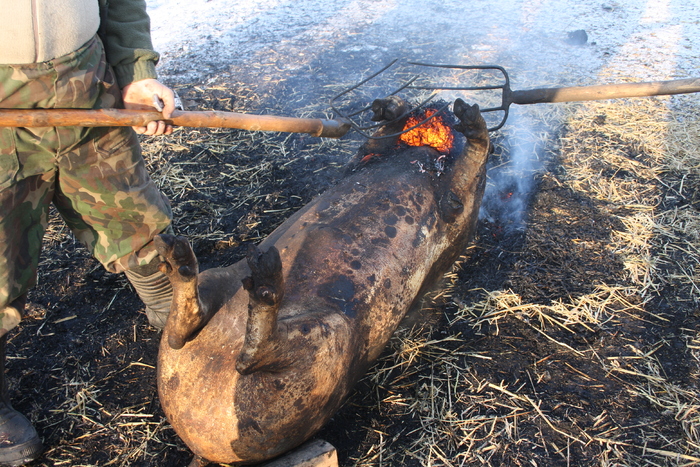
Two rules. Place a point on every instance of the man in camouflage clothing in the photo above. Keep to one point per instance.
(85, 54)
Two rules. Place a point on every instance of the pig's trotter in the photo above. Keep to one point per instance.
(263, 348)
(393, 111)
(180, 262)
(188, 314)
(265, 284)
(388, 108)
(471, 122)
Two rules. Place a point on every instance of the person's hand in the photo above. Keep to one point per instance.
(140, 95)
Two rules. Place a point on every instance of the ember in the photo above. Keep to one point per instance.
(368, 157)
(434, 133)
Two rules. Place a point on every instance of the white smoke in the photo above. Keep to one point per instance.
(512, 171)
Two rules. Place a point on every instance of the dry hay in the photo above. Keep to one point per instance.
(201, 169)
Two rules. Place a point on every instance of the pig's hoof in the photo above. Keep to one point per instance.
(265, 283)
(471, 122)
(180, 261)
(389, 108)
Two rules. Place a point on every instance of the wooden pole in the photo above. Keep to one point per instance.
(604, 91)
(199, 119)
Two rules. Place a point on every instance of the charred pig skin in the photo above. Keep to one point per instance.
(255, 358)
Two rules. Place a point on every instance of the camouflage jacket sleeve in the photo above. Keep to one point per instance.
(125, 30)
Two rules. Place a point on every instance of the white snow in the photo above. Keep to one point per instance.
(640, 39)
(319, 46)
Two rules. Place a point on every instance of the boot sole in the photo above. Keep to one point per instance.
(16, 456)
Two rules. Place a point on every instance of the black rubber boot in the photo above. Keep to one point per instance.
(19, 442)
(155, 291)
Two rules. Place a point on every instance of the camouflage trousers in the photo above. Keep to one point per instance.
(95, 177)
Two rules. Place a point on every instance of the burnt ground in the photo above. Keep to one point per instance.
(472, 383)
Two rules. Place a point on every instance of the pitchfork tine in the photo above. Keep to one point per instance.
(530, 96)
(412, 84)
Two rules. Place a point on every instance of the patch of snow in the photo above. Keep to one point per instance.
(639, 39)
(319, 46)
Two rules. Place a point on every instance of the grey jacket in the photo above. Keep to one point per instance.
(35, 31)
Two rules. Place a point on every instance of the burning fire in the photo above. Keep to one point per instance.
(368, 157)
(434, 133)
(506, 195)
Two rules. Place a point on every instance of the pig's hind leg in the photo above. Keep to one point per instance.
(187, 312)
(264, 347)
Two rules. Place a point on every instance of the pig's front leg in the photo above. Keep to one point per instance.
(187, 312)
(471, 122)
(393, 111)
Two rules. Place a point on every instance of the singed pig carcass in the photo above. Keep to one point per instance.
(255, 358)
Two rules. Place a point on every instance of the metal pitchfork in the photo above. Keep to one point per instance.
(348, 118)
(507, 95)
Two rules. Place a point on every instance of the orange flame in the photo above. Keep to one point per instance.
(434, 133)
(368, 157)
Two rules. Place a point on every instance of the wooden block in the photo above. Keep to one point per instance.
(316, 453)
